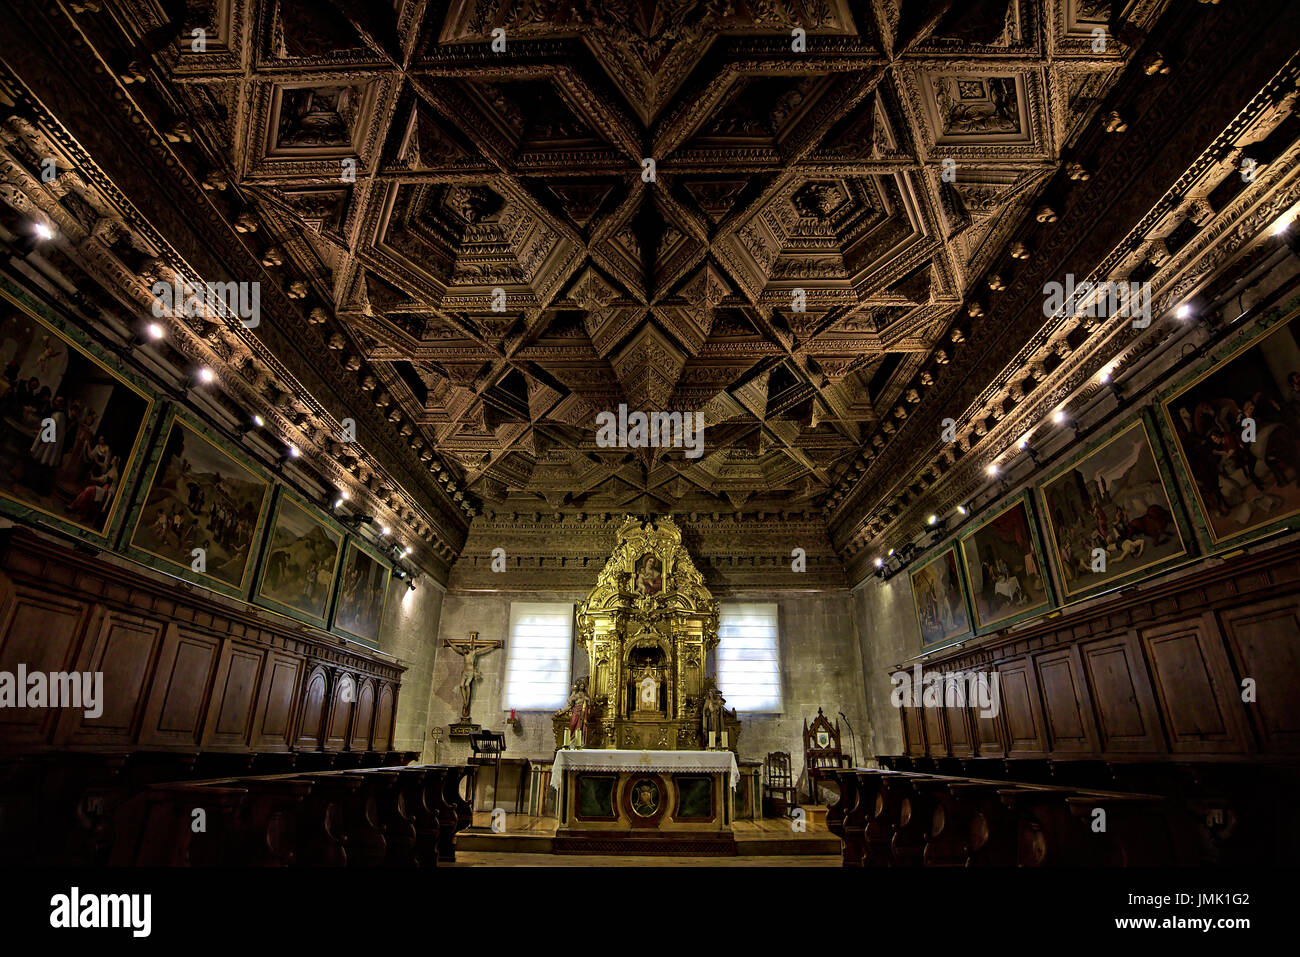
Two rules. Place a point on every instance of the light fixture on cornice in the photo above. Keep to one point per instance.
(155, 331)
(963, 511)
(1282, 224)
(1184, 311)
(932, 519)
(891, 553)
(406, 551)
(293, 451)
(43, 232)
(206, 375)
(1104, 376)
(1023, 444)
(880, 562)
(1058, 417)
(259, 421)
(384, 530)
(993, 468)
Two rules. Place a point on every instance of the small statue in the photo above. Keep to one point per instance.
(711, 712)
(580, 702)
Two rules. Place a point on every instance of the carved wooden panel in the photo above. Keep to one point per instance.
(182, 686)
(123, 648)
(1121, 694)
(1064, 702)
(1264, 640)
(274, 732)
(313, 708)
(364, 717)
(343, 697)
(913, 730)
(1020, 710)
(958, 722)
(383, 737)
(41, 631)
(935, 734)
(1189, 672)
(234, 697)
(991, 734)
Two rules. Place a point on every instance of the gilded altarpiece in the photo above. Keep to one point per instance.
(647, 628)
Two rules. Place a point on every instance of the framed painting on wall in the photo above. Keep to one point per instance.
(201, 496)
(71, 428)
(1004, 568)
(1243, 487)
(1112, 514)
(302, 555)
(940, 599)
(363, 590)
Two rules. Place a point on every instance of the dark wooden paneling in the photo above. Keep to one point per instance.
(384, 716)
(1021, 713)
(958, 722)
(279, 693)
(123, 648)
(991, 733)
(364, 716)
(182, 690)
(1190, 673)
(935, 734)
(1264, 639)
(343, 698)
(1063, 702)
(313, 708)
(42, 631)
(1121, 694)
(913, 730)
(235, 698)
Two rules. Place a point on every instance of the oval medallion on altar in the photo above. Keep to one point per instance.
(645, 798)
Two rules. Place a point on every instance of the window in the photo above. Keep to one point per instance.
(538, 656)
(749, 670)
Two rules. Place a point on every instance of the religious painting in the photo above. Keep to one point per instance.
(1005, 568)
(1236, 429)
(70, 427)
(201, 497)
(362, 590)
(940, 600)
(1111, 514)
(301, 558)
(649, 576)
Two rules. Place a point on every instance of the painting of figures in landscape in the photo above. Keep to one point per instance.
(1111, 515)
(201, 498)
(70, 426)
(1004, 568)
(361, 596)
(940, 607)
(300, 561)
(1242, 485)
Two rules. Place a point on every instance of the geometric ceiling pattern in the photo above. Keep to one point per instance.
(768, 212)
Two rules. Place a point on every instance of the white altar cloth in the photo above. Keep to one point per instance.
(610, 759)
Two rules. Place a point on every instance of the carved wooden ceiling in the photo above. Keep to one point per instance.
(775, 170)
(837, 192)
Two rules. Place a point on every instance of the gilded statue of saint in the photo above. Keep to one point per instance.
(580, 702)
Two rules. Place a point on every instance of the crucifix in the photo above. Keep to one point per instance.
(471, 649)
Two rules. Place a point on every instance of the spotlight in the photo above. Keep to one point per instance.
(154, 331)
(962, 510)
(43, 232)
(258, 421)
(293, 452)
(891, 553)
(932, 519)
(1282, 225)
(993, 468)
(407, 551)
(1022, 444)
(384, 530)
(206, 375)
(1058, 417)
(338, 503)
(880, 562)
(1184, 311)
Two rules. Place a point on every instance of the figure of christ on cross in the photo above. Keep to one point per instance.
(471, 649)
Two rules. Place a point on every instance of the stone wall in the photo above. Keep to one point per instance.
(409, 632)
(888, 634)
(820, 665)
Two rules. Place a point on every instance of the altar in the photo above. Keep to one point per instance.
(645, 757)
(663, 802)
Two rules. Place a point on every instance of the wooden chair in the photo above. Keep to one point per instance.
(821, 751)
(488, 747)
(779, 790)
